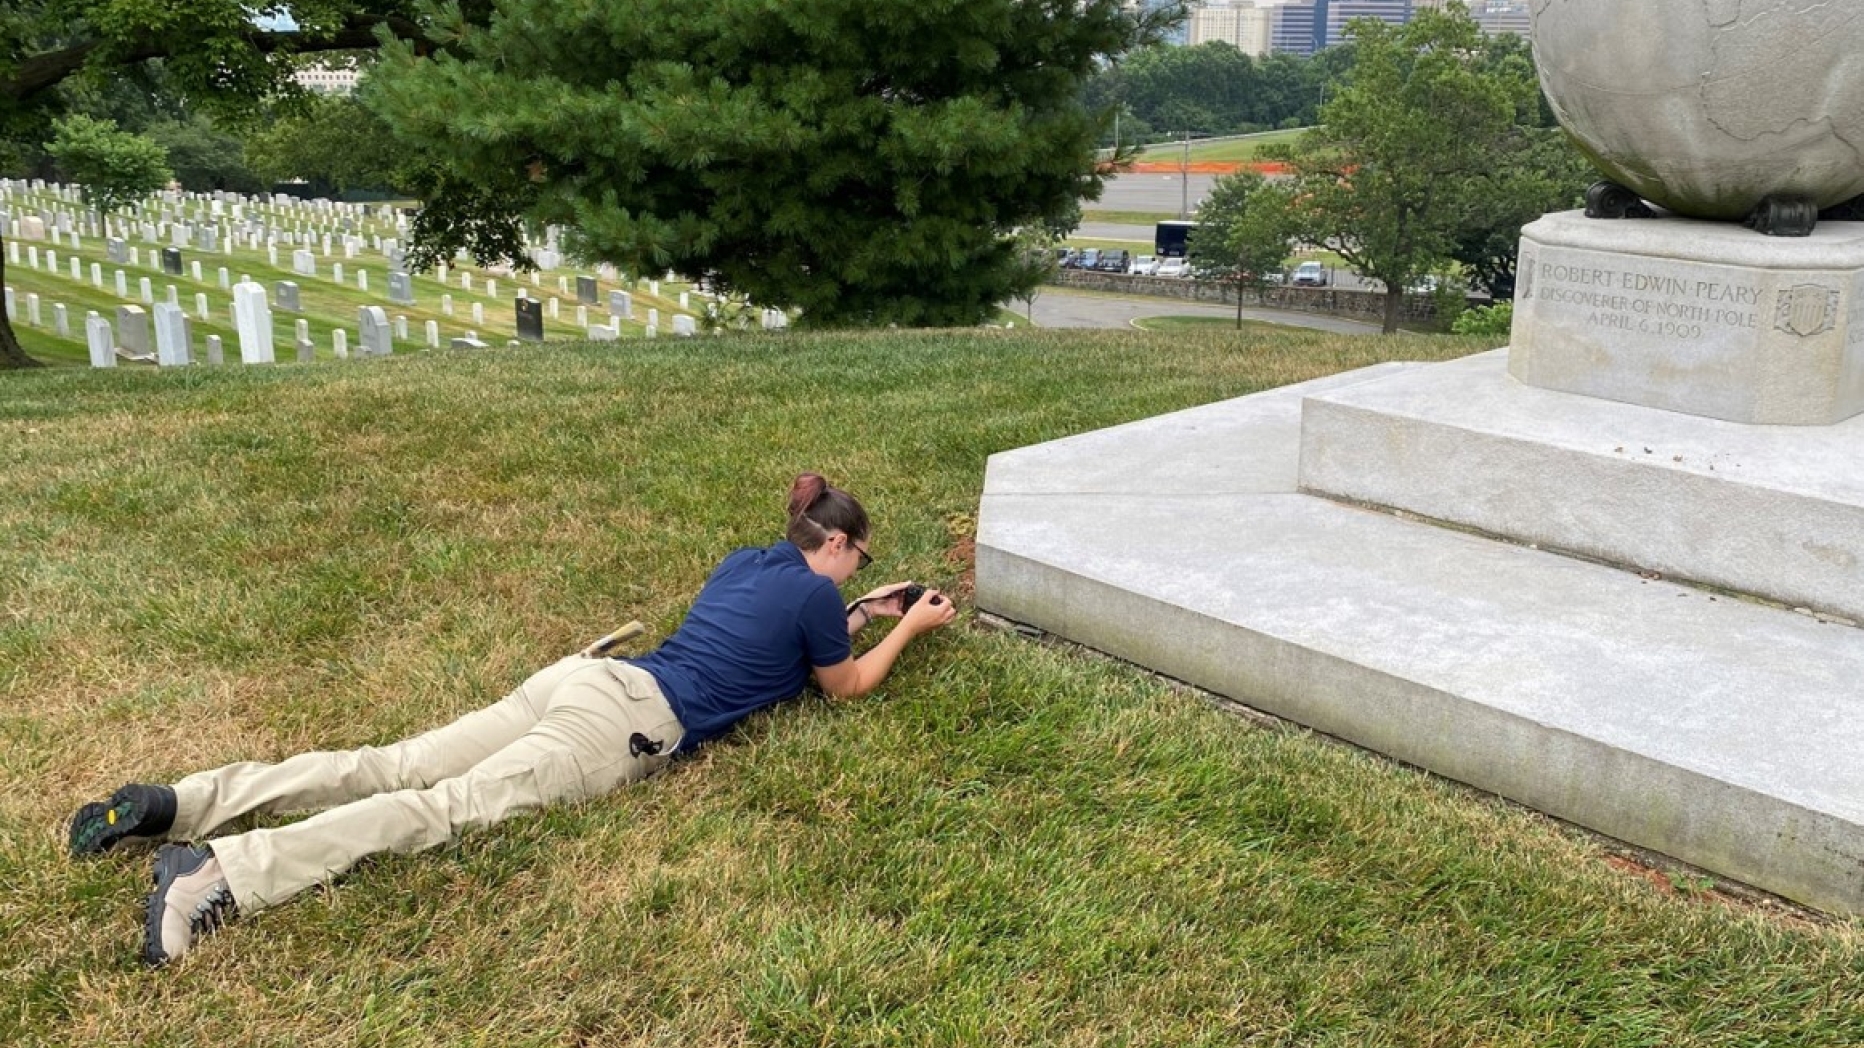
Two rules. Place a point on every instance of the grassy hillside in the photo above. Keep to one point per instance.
(1012, 843)
(1234, 150)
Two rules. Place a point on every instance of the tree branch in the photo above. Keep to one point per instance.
(43, 72)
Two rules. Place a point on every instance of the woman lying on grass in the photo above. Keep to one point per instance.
(765, 620)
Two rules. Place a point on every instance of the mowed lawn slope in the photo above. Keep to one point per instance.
(1011, 843)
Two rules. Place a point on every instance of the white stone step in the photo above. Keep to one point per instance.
(1776, 511)
(1722, 732)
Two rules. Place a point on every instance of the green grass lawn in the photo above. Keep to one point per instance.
(1010, 843)
(1232, 151)
(1129, 218)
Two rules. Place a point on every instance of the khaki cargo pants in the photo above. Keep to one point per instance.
(562, 736)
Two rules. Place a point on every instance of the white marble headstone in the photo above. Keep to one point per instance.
(253, 317)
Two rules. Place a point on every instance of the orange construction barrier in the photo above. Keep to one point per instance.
(1201, 167)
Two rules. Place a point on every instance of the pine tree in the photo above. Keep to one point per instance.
(862, 161)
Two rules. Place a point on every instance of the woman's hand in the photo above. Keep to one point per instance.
(929, 613)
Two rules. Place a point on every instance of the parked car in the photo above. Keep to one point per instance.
(1310, 274)
(1426, 285)
(1114, 261)
(1173, 267)
(1089, 258)
(1145, 265)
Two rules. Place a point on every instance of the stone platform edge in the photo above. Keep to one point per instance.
(1775, 845)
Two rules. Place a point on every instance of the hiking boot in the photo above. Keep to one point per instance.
(191, 901)
(135, 810)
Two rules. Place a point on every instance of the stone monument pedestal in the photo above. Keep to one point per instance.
(1705, 318)
(1527, 570)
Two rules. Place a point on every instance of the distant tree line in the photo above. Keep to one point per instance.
(1215, 89)
(331, 144)
(200, 154)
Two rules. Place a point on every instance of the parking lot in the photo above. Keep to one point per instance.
(1135, 261)
(1160, 194)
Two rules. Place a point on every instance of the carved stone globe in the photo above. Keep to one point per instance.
(1711, 107)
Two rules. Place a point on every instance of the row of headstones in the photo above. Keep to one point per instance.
(209, 237)
(621, 303)
(287, 292)
(400, 285)
(205, 237)
(400, 290)
(122, 279)
(120, 252)
(129, 338)
(304, 263)
(172, 204)
(252, 318)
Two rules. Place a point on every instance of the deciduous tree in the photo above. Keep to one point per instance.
(1412, 149)
(115, 167)
(334, 142)
(203, 156)
(1242, 233)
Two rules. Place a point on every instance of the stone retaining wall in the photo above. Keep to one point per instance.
(1339, 302)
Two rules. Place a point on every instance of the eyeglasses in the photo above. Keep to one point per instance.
(865, 559)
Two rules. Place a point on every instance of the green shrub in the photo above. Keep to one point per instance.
(1497, 319)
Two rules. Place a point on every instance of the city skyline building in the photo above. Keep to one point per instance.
(1246, 24)
(1338, 13)
(1302, 27)
(1295, 27)
(326, 81)
(1502, 16)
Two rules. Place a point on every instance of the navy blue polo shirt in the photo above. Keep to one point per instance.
(759, 624)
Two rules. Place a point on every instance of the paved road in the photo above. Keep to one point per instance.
(1064, 308)
(1155, 193)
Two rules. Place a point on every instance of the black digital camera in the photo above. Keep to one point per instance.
(910, 596)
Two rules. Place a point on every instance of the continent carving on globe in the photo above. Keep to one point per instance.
(1711, 108)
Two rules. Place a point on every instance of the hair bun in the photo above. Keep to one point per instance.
(805, 491)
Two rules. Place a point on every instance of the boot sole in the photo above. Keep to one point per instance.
(101, 825)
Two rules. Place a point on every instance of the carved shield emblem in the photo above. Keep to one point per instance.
(1807, 310)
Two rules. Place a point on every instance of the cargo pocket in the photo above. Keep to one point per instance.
(559, 779)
